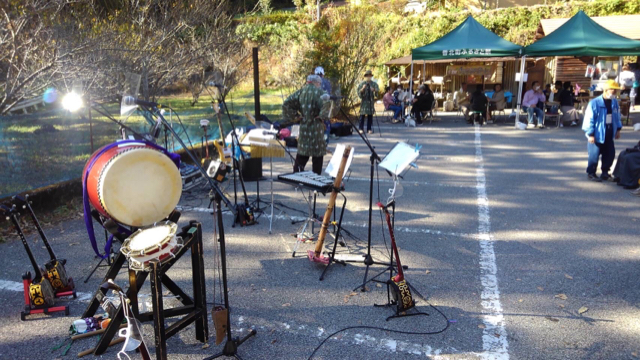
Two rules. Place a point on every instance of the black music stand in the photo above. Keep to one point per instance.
(375, 160)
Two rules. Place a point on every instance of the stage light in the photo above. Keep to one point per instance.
(72, 102)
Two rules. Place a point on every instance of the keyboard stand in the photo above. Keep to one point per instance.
(302, 235)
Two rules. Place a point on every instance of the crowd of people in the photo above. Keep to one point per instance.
(602, 117)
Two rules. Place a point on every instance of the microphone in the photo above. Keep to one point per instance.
(335, 97)
(130, 101)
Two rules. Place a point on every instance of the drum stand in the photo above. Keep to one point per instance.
(194, 309)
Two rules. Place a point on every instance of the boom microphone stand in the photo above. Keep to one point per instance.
(231, 346)
(236, 168)
(374, 159)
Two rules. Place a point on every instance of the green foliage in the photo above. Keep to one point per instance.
(398, 33)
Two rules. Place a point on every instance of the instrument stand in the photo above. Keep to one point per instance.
(374, 159)
(194, 309)
(232, 344)
(336, 237)
(392, 271)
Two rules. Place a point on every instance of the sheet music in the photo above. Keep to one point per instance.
(334, 163)
(399, 158)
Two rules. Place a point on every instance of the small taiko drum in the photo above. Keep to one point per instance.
(132, 183)
(157, 242)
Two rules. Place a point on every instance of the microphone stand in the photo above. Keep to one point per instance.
(231, 346)
(374, 159)
(236, 167)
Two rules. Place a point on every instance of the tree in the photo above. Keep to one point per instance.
(344, 43)
(33, 48)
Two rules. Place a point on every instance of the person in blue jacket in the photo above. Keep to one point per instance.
(601, 125)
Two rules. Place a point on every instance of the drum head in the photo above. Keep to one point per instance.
(140, 187)
(147, 238)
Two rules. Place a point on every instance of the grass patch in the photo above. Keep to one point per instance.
(31, 160)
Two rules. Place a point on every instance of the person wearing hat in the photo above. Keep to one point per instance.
(308, 106)
(601, 125)
(326, 84)
(367, 90)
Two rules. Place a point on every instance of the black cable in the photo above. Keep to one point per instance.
(385, 329)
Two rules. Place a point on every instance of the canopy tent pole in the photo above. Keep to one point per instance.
(411, 80)
(523, 60)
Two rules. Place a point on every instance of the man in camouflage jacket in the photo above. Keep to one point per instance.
(310, 108)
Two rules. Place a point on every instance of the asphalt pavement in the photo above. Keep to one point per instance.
(501, 231)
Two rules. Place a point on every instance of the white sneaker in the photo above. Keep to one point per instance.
(540, 126)
(531, 126)
(573, 123)
(561, 125)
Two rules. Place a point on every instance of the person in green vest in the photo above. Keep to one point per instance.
(310, 107)
(367, 91)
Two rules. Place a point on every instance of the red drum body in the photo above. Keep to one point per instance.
(134, 184)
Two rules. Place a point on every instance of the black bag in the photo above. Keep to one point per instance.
(291, 141)
(340, 129)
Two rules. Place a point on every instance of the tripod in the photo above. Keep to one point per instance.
(374, 159)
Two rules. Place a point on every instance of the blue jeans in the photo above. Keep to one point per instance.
(397, 109)
(534, 110)
(608, 152)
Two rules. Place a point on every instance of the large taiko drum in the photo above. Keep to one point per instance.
(134, 184)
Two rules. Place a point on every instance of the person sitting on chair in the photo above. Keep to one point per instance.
(479, 104)
(497, 101)
(390, 104)
(422, 102)
(567, 101)
(530, 105)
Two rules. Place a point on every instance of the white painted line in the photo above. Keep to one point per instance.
(17, 286)
(346, 224)
(351, 337)
(494, 335)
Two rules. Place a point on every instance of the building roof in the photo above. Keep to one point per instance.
(624, 25)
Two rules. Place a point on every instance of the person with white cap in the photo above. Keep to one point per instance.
(601, 125)
(326, 84)
(308, 106)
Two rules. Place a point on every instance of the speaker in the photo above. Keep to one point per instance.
(251, 169)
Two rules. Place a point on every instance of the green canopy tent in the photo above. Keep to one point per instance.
(580, 36)
(468, 40)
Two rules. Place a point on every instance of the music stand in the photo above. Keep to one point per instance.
(374, 160)
(396, 163)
